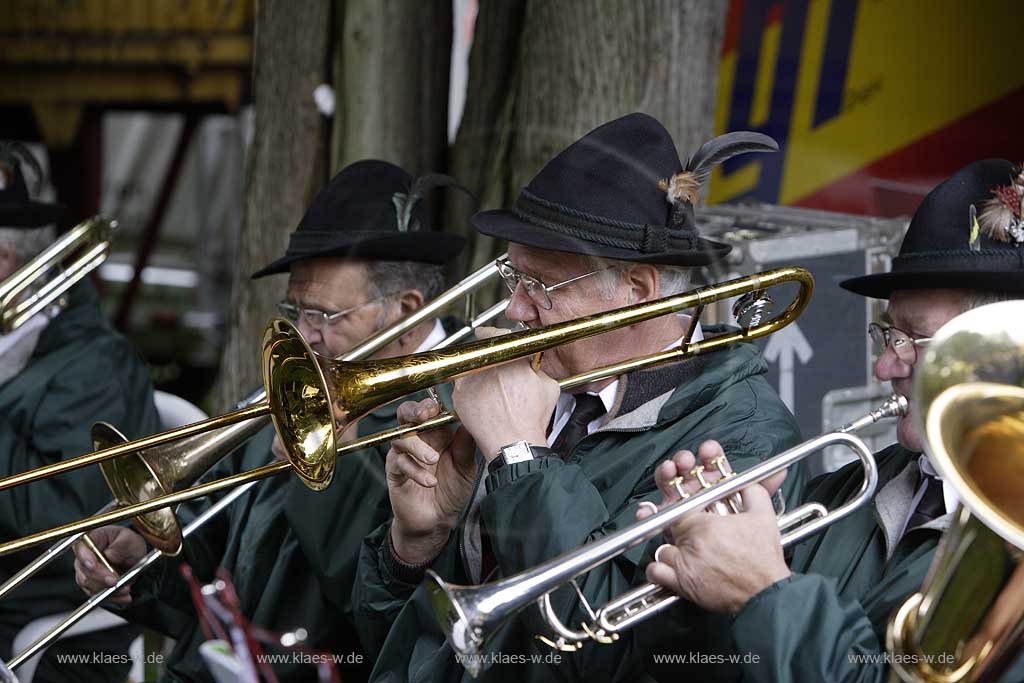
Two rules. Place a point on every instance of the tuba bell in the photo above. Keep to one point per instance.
(966, 623)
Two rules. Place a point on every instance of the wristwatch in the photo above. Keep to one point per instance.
(520, 451)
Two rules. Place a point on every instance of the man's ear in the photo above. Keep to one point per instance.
(643, 281)
(410, 301)
(8, 258)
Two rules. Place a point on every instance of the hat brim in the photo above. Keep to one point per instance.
(426, 247)
(29, 214)
(505, 225)
(882, 285)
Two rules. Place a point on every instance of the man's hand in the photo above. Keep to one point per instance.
(430, 481)
(122, 547)
(504, 404)
(717, 561)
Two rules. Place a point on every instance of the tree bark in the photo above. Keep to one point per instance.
(285, 169)
(392, 64)
(543, 73)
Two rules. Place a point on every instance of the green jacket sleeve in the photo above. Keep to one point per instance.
(801, 629)
(382, 590)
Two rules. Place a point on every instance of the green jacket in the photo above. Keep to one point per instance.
(845, 585)
(539, 509)
(81, 371)
(291, 553)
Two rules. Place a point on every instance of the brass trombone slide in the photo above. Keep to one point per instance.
(469, 615)
(91, 237)
(307, 409)
(173, 467)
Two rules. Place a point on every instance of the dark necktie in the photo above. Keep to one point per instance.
(931, 505)
(588, 408)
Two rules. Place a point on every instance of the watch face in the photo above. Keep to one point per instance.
(517, 452)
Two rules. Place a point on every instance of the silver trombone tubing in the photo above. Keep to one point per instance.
(123, 580)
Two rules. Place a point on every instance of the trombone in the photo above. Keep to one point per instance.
(469, 615)
(34, 286)
(176, 466)
(307, 408)
(966, 623)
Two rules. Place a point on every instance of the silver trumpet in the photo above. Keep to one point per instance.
(470, 615)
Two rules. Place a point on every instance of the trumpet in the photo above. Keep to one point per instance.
(307, 409)
(469, 615)
(966, 623)
(34, 286)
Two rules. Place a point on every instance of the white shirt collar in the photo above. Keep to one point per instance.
(435, 337)
(567, 402)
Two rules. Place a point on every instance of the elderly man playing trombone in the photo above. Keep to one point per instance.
(362, 258)
(60, 371)
(822, 615)
(533, 471)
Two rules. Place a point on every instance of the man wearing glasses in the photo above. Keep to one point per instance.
(822, 615)
(363, 257)
(534, 472)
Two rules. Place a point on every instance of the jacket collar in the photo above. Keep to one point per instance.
(649, 398)
(81, 317)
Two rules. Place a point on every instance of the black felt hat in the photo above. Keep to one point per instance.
(17, 210)
(968, 233)
(370, 210)
(621, 192)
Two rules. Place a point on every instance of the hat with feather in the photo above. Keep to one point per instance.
(371, 210)
(17, 209)
(621, 192)
(968, 233)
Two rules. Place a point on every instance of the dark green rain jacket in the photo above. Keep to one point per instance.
(827, 621)
(539, 509)
(81, 371)
(291, 553)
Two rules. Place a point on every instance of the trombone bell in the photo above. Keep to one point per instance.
(132, 478)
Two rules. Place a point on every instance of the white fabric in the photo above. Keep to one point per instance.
(17, 347)
(435, 337)
(97, 620)
(567, 402)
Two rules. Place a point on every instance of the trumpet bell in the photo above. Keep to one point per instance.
(132, 479)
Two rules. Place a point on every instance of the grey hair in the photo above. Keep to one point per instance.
(28, 243)
(385, 278)
(671, 279)
(973, 298)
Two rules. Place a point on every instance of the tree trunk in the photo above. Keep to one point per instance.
(391, 80)
(544, 73)
(285, 169)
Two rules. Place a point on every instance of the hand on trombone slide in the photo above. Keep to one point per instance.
(123, 549)
(720, 560)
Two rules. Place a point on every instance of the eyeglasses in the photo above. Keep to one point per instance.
(538, 292)
(318, 319)
(903, 345)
